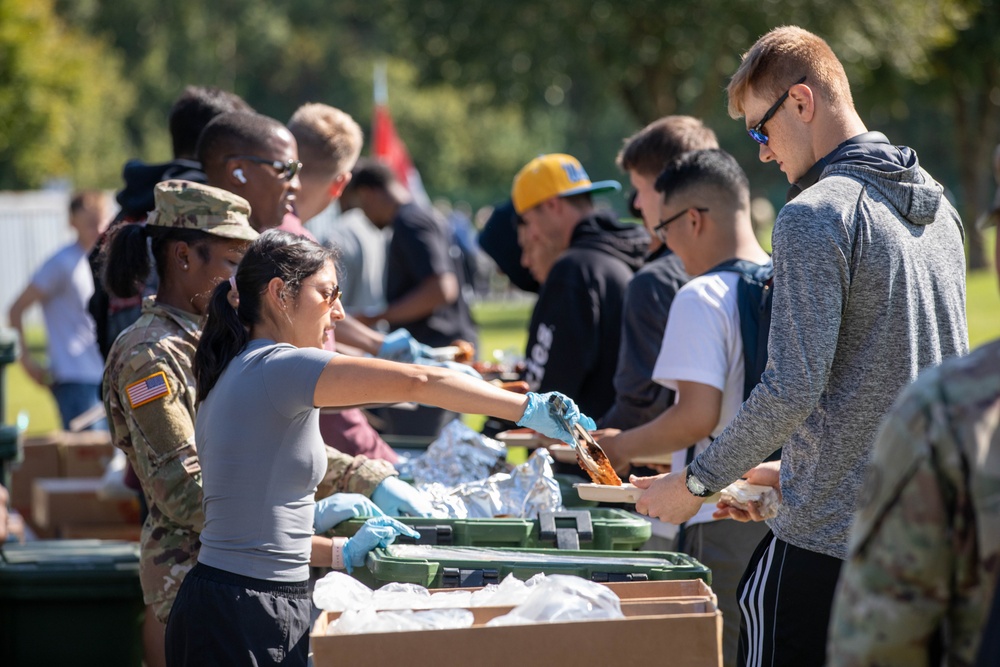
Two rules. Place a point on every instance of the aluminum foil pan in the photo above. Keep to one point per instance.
(528, 489)
(458, 455)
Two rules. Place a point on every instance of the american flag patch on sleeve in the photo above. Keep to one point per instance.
(147, 389)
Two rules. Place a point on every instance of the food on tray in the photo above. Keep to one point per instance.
(517, 386)
(466, 351)
(601, 472)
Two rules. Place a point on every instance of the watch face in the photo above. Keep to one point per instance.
(695, 485)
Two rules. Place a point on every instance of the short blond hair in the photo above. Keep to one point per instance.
(329, 140)
(782, 57)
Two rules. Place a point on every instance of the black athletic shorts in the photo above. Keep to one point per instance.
(220, 618)
(786, 597)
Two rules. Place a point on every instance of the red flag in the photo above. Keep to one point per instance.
(389, 148)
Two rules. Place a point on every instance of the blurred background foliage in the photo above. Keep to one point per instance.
(478, 88)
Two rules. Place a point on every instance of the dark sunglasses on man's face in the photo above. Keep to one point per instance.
(286, 170)
(757, 131)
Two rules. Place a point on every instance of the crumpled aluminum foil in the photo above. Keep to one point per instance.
(528, 489)
(458, 455)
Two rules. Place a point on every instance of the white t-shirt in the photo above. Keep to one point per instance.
(702, 343)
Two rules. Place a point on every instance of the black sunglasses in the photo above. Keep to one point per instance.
(757, 131)
(661, 231)
(286, 170)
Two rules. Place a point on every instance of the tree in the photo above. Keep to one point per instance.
(62, 101)
(967, 75)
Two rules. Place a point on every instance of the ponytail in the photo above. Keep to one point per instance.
(126, 261)
(223, 337)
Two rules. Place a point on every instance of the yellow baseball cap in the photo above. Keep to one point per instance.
(553, 175)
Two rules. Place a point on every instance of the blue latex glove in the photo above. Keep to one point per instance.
(340, 507)
(400, 345)
(377, 532)
(397, 498)
(537, 416)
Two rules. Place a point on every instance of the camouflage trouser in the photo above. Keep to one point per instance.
(165, 558)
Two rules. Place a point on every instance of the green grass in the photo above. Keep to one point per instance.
(502, 326)
(22, 394)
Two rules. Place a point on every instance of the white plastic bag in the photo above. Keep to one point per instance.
(741, 494)
(563, 597)
(362, 621)
(338, 591)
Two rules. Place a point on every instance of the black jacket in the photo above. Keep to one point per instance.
(575, 328)
(638, 398)
(136, 198)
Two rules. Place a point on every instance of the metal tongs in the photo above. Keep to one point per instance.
(588, 453)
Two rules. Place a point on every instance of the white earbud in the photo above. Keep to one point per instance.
(238, 175)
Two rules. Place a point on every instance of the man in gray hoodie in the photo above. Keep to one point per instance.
(869, 275)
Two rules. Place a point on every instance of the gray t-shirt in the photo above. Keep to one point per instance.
(66, 283)
(261, 459)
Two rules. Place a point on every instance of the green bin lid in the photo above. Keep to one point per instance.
(69, 569)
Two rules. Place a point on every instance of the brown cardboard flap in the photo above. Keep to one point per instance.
(692, 640)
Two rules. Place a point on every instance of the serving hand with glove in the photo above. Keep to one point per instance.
(378, 532)
(538, 416)
(397, 498)
(400, 345)
(392, 497)
(340, 507)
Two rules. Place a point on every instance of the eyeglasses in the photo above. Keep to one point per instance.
(661, 229)
(329, 294)
(757, 131)
(286, 170)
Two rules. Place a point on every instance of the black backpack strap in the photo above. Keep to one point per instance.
(753, 298)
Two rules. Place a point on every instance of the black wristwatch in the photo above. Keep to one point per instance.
(695, 486)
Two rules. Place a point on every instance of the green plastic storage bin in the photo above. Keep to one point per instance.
(478, 566)
(591, 528)
(70, 602)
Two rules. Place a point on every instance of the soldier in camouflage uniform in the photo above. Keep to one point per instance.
(150, 386)
(925, 545)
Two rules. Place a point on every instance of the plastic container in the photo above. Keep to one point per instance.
(479, 567)
(70, 602)
(601, 529)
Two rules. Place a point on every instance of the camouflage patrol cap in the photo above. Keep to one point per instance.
(189, 205)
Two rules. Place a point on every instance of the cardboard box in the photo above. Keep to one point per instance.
(41, 459)
(85, 454)
(685, 629)
(74, 501)
(57, 454)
